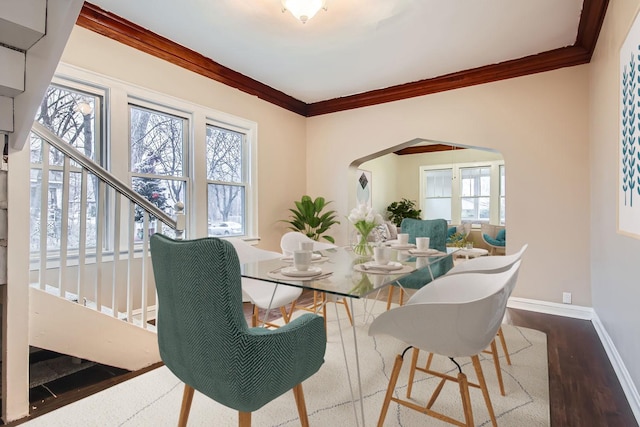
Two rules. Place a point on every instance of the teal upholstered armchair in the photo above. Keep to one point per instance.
(437, 231)
(204, 338)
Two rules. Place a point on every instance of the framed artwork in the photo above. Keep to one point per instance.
(363, 190)
(629, 141)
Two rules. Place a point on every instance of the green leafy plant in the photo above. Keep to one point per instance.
(405, 208)
(458, 240)
(309, 219)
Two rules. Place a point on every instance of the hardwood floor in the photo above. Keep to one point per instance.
(583, 387)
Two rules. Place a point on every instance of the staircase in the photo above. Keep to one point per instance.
(94, 324)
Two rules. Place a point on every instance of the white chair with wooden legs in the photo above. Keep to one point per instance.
(264, 295)
(290, 242)
(484, 265)
(490, 265)
(454, 316)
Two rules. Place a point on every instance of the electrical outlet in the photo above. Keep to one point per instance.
(566, 297)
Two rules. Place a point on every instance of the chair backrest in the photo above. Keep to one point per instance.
(453, 316)
(290, 242)
(488, 264)
(435, 229)
(200, 310)
(249, 253)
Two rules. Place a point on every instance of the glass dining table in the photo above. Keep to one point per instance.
(340, 273)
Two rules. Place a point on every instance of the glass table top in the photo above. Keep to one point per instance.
(340, 271)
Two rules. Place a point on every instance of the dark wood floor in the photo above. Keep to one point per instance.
(584, 390)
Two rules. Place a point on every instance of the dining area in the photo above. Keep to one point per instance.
(458, 316)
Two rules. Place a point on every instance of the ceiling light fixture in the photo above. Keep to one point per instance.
(303, 10)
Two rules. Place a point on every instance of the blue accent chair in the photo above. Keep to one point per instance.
(437, 231)
(204, 338)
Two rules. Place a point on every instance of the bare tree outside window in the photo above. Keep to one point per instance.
(74, 116)
(226, 179)
(157, 166)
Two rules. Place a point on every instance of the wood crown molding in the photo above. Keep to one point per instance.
(109, 25)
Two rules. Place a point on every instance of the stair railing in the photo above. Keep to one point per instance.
(95, 276)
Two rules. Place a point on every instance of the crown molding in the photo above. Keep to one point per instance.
(109, 25)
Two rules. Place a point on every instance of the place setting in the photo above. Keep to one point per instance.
(422, 248)
(402, 242)
(382, 264)
(301, 268)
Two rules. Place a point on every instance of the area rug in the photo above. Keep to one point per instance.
(153, 399)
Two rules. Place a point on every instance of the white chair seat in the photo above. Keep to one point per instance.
(261, 293)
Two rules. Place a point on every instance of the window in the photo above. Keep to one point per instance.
(227, 180)
(475, 194)
(438, 194)
(75, 115)
(464, 192)
(157, 152)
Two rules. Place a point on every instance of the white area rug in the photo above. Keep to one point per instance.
(153, 399)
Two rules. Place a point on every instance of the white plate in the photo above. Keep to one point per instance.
(291, 271)
(314, 257)
(424, 253)
(409, 246)
(388, 267)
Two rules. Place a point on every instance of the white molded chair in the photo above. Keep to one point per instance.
(261, 293)
(455, 316)
(290, 242)
(488, 265)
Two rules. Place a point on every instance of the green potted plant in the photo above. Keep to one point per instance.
(309, 219)
(405, 208)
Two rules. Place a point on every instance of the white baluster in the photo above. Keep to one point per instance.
(180, 220)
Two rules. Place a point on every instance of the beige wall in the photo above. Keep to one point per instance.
(538, 123)
(614, 258)
(281, 134)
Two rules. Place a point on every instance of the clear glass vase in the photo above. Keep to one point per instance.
(362, 246)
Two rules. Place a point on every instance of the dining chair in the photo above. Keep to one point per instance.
(290, 242)
(488, 265)
(492, 264)
(456, 316)
(436, 230)
(204, 338)
(264, 295)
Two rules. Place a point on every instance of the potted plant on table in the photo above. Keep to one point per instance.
(308, 218)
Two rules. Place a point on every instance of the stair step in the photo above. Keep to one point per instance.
(13, 71)
(22, 22)
(49, 370)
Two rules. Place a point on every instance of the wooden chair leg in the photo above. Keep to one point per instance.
(346, 307)
(401, 302)
(285, 315)
(244, 419)
(504, 346)
(390, 297)
(483, 386)
(496, 363)
(412, 371)
(466, 399)
(302, 406)
(254, 317)
(392, 385)
(187, 398)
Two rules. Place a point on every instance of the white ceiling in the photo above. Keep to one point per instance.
(356, 45)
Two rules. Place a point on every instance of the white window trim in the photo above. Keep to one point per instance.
(117, 129)
(456, 207)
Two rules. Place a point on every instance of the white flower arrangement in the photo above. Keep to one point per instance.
(364, 219)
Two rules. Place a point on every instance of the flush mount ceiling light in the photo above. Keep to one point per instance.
(303, 10)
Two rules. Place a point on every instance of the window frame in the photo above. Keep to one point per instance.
(456, 197)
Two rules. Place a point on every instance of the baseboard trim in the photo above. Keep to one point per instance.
(567, 310)
(587, 313)
(619, 367)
